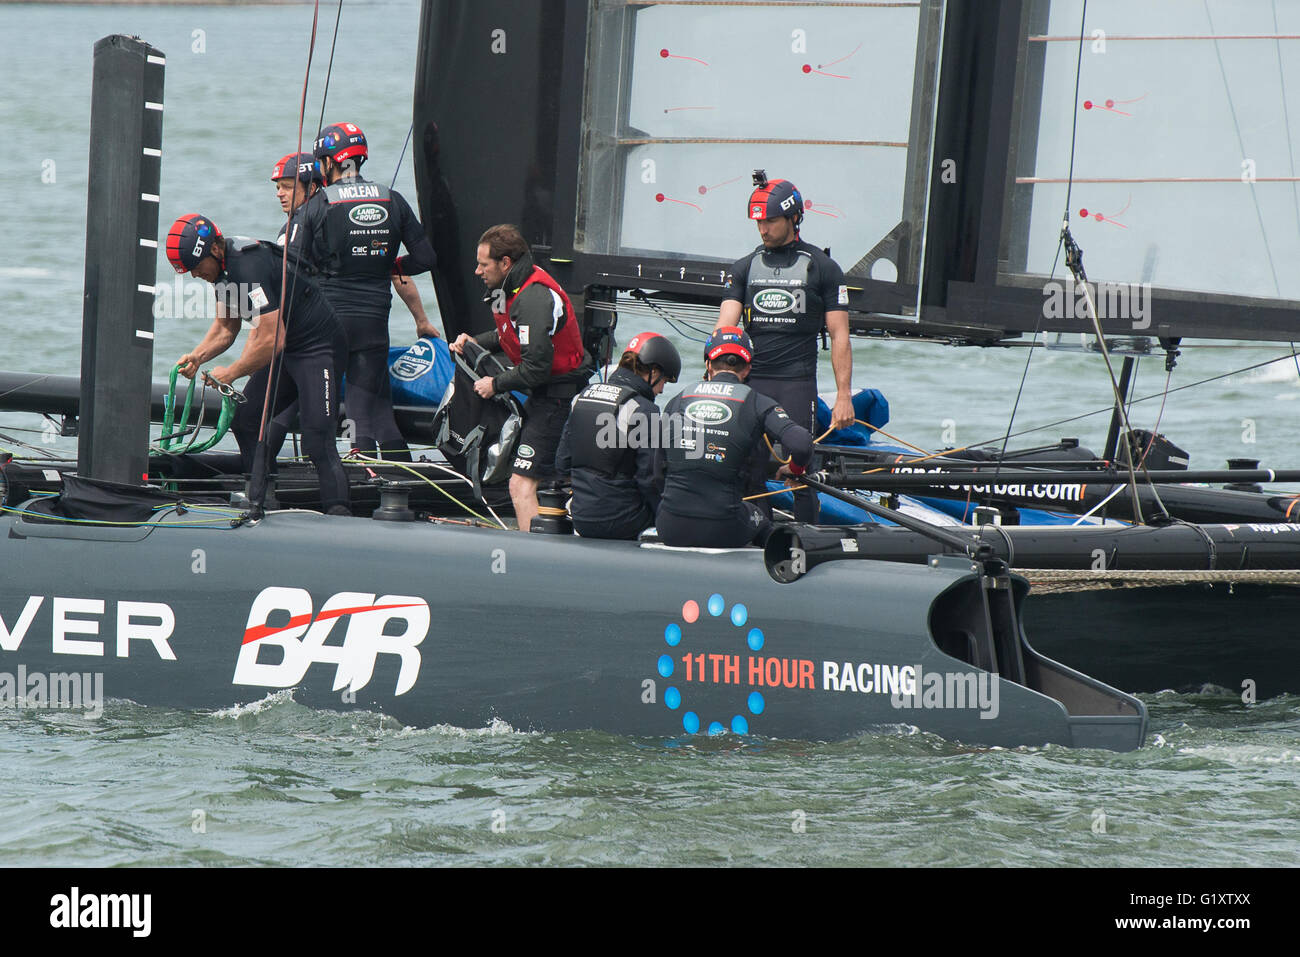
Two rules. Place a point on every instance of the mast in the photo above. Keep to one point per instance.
(121, 260)
(490, 80)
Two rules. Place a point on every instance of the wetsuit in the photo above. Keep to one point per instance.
(785, 294)
(350, 231)
(314, 350)
(715, 432)
(538, 331)
(609, 444)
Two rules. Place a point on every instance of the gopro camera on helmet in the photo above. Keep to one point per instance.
(760, 178)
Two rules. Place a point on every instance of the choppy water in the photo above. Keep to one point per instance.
(278, 783)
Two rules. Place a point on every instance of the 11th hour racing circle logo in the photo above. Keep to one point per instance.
(689, 667)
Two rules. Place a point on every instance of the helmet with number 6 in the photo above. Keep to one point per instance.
(341, 141)
(655, 350)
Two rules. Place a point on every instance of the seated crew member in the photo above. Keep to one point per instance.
(538, 331)
(716, 429)
(294, 191)
(610, 440)
(350, 231)
(247, 277)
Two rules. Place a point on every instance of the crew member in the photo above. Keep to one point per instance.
(716, 430)
(787, 290)
(296, 177)
(610, 442)
(247, 276)
(538, 331)
(294, 191)
(350, 230)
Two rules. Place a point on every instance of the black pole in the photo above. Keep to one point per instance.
(121, 260)
(970, 545)
(1117, 416)
(986, 475)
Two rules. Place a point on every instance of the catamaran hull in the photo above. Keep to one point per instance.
(446, 625)
(1235, 635)
(1141, 608)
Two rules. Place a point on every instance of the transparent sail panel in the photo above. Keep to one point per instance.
(685, 100)
(1185, 171)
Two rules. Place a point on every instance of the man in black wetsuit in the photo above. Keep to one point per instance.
(611, 439)
(787, 290)
(537, 329)
(350, 231)
(247, 275)
(293, 191)
(716, 430)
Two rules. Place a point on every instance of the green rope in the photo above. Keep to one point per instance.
(172, 434)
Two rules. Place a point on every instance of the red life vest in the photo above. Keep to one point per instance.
(567, 341)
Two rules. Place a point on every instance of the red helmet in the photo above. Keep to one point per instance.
(307, 169)
(189, 240)
(655, 350)
(775, 199)
(340, 142)
(729, 340)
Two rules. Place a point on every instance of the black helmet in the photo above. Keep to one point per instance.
(189, 240)
(729, 340)
(655, 350)
(340, 142)
(775, 199)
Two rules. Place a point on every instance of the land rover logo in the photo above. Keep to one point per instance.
(708, 412)
(525, 452)
(368, 214)
(773, 301)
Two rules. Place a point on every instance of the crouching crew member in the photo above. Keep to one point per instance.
(538, 331)
(717, 428)
(350, 231)
(247, 277)
(611, 439)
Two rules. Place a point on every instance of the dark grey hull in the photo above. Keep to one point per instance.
(1177, 607)
(436, 624)
(1237, 635)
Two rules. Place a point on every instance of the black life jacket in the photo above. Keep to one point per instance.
(362, 235)
(713, 431)
(776, 297)
(593, 430)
